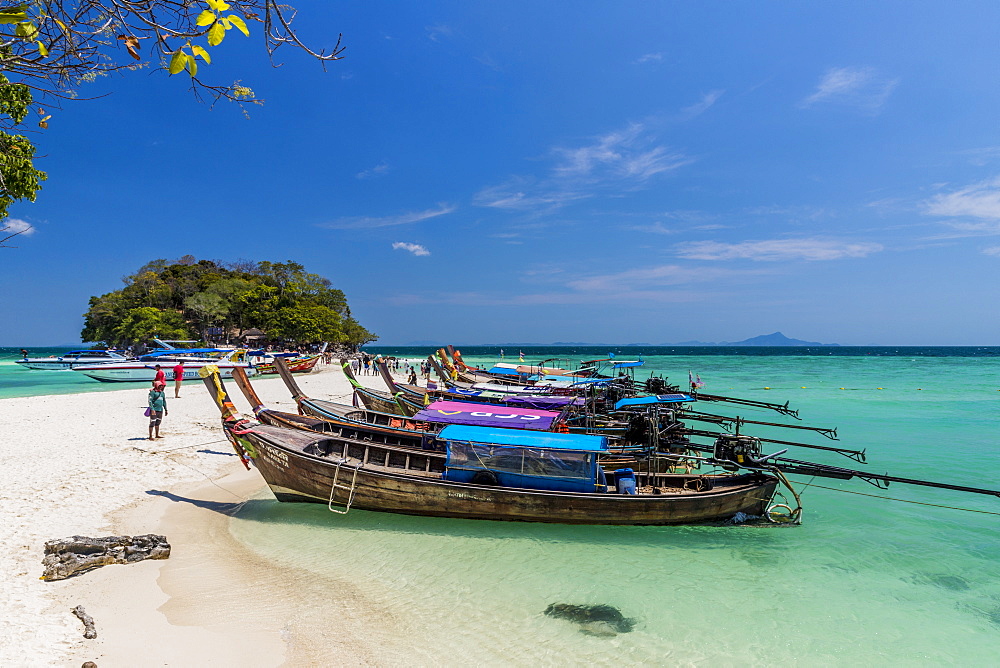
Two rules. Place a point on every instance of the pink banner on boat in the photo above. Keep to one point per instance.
(487, 415)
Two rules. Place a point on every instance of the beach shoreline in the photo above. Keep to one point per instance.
(80, 464)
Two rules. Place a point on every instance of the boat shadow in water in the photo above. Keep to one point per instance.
(717, 536)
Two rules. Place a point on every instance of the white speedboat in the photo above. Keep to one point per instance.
(73, 359)
(144, 368)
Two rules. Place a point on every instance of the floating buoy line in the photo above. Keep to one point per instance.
(891, 498)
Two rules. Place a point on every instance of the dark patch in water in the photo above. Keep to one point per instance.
(943, 580)
(594, 620)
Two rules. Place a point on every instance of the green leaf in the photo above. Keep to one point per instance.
(13, 14)
(239, 23)
(192, 65)
(216, 34)
(177, 62)
(26, 29)
(206, 18)
(41, 48)
(200, 51)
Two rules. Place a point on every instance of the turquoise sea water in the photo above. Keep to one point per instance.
(864, 581)
(16, 381)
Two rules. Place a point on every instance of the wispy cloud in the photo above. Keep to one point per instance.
(378, 170)
(707, 100)
(979, 200)
(523, 194)
(613, 163)
(648, 58)
(992, 250)
(774, 250)
(623, 154)
(859, 87)
(416, 249)
(436, 32)
(364, 222)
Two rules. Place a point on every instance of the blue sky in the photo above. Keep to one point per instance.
(482, 172)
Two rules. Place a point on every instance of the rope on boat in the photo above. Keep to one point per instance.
(890, 498)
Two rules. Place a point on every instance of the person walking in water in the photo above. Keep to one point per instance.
(157, 408)
(178, 377)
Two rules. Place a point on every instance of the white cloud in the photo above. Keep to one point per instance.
(707, 100)
(416, 249)
(377, 170)
(860, 87)
(992, 250)
(648, 58)
(364, 222)
(624, 154)
(776, 250)
(979, 200)
(16, 226)
(611, 164)
(522, 194)
(436, 32)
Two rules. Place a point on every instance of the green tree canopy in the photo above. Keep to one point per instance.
(183, 299)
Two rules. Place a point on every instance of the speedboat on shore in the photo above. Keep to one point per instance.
(144, 368)
(72, 359)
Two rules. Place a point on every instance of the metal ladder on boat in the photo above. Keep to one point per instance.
(339, 485)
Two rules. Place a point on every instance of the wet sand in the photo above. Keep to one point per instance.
(80, 465)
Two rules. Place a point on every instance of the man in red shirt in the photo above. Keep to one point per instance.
(178, 377)
(160, 376)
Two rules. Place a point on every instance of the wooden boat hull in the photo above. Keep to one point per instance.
(299, 365)
(299, 466)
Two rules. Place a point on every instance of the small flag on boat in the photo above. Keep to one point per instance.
(520, 355)
(501, 353)
(611, 356)
(697, 381)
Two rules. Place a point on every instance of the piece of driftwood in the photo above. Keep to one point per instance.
(89, 632)
(68, 556)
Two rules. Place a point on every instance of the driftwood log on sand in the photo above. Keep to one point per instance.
(89, 632)
(68, 556)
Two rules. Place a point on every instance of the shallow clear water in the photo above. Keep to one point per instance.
(17, 381)
(865, 581)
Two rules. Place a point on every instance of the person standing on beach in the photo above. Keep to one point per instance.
(160, 376)
(157, 408)
(178, 377)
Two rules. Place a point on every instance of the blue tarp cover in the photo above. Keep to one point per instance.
(625, 365)
(521, 439)
(504, 371)
(657, 399)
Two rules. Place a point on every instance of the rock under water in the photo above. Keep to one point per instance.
(594, 620)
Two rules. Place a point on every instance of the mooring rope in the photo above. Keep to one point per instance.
(890, 498)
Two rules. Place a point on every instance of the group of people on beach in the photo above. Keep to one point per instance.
(157, 401)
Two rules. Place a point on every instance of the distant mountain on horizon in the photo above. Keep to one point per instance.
(777, 339)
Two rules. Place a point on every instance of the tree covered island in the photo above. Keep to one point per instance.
(219, 301)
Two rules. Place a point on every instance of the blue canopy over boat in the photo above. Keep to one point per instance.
(523, 439)
(503, 371)
(557, 462)
(655, 399)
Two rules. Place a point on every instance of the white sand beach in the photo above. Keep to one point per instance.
(80, 464)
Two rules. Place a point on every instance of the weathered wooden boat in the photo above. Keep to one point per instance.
(487, 473)
(295, 364)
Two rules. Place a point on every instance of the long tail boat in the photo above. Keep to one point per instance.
(300, 364)
(497, 474)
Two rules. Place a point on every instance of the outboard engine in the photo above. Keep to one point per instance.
(733, 452)
(655, 385)
(638, 429)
